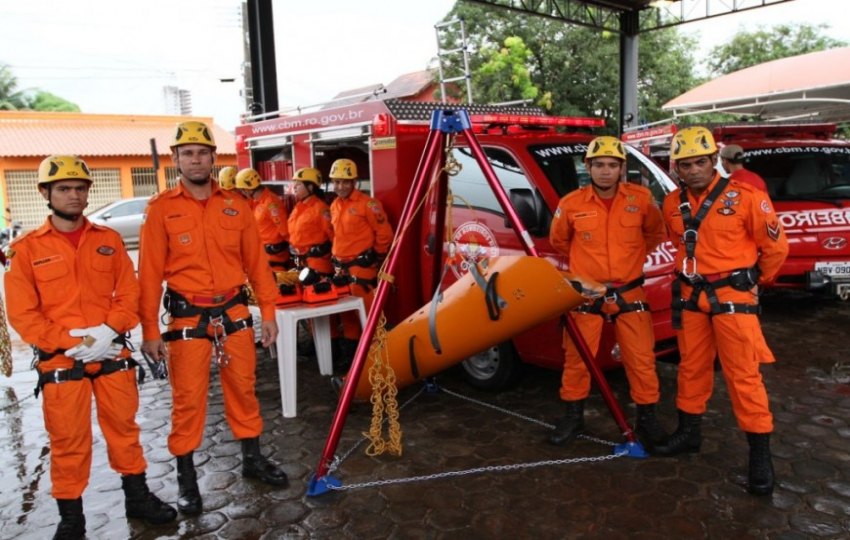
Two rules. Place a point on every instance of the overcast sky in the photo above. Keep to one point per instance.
(113, 56)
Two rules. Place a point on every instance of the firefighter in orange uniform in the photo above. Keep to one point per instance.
(74, 298)
(729, 240)
(606, 229)
(203, 242)
(310, 230)
(362, 237)
(270, 213)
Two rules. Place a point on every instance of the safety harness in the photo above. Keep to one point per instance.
(77, 372)
(318, 250)
(366, 259)
(214, 317)
(613, 295)
(742, 279)
(277, 249)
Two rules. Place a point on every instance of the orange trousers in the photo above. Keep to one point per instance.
(350, 320)
(634, 334)
(738, 340)
(67, 419)
(189, 373)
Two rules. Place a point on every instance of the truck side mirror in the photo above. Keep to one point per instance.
(531, 209)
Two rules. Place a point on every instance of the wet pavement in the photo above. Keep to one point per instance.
(516, 485)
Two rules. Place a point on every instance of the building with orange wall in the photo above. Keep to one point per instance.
(116, 147)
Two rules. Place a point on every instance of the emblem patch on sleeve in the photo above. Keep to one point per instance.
(765, 206)
(774, 230)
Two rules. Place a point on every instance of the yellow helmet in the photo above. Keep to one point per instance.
(63, 167)
(227, 178)
(692, 142)
(606, 146)
(192, 132)
(343, 169)
(248, 179)
(308, 174)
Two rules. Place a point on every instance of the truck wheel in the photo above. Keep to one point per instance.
(494, 369)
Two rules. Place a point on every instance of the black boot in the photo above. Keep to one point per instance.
(647, 428)
(72, 526)
(686, 438)
(188, 497)
(254, 465)
(760, 481)
(139, 502)
(571, 425)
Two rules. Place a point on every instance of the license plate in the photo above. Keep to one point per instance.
(837, 269)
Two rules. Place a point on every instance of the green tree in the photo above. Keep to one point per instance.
(14, 99)
(765, 44)
(504, 75)
(45, 101)
(576, 68)
(11, 98)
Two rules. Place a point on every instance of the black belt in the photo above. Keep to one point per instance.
(742, 279)
(78, 373)
(274, 249)
(367, 259)
(614, 295)
(178, 306)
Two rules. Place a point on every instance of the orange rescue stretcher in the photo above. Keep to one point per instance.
(487, 306)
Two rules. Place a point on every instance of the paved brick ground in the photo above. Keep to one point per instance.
(696, 496)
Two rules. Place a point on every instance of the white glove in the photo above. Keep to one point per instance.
(113, 351)
(101, 339)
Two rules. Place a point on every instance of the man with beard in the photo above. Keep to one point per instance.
(74, 296)
(203, 241)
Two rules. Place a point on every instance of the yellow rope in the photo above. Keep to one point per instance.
(5, 343)
(383, 399)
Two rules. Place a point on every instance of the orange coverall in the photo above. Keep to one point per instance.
(204, 251)
(54, 287)
(610, 246)
(270, 213)
(310, 225)
(740, 230)
(359, 223)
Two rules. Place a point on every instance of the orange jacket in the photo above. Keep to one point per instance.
(359, 224)
(310, 224)
(607, 246)
(270, 213)
(739, 230)
(200, 250)
(53, 287)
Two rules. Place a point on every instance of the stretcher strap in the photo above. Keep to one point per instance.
(491, 296)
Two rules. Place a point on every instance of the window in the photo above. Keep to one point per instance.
(793, 172)
(470, 187)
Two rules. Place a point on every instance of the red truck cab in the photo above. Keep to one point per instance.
(807, 173)
(538, 159)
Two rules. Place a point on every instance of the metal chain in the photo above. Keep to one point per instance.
(338, 460)
(477, 470)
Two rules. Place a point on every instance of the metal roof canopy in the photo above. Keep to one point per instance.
(812, 86)
(629, 18)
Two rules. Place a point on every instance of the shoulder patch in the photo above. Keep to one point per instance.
(765, 206)
(774, 230)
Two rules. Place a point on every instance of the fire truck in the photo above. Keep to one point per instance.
(537, 158)
(807, 172)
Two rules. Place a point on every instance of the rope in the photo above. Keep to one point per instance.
(5, 342)
(383, 398)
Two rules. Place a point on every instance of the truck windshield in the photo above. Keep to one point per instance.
(794, 172)
(563, 165)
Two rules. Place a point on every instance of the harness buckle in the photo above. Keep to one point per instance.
(611, 298)
(692, 272)
(690, 235)
(184, 333)
(217, 299)
(56, 372)
(730, 308)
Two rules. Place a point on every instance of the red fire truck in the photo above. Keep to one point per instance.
(538, 160)
(807, 172)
